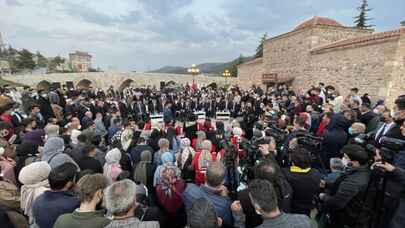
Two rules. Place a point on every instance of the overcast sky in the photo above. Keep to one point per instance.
(147, 34)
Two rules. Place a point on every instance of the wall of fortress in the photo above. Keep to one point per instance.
(253, 71)
(368, 68)
(106, 79)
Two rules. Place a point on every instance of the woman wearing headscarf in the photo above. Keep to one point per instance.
(169, 192)
(197, 142)
(145, 170)
(201, 161)
(185, 159)
(112, 167)
(34, 180)
(167, 161)
(53, 153)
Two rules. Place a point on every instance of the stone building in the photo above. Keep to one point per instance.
(323, 50)
(80, 61)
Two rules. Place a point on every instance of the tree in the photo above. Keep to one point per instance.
(259, 49)
(55, 62)
(234, 67)
(25, 60)
(362, 19)
(41, 60)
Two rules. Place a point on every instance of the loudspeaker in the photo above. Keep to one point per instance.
(162, 85)
(70, 85)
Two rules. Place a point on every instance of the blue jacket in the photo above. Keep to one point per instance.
(50, 205)
(221, 204)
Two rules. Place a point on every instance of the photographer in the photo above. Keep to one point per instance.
(344, 202)
(399, 174)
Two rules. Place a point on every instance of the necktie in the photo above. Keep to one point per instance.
(381, 133)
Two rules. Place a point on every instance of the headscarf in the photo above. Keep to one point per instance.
(168, 177)
(53, 146)
(186, 151)
(34, 178)
(112, 168)
(167, 161)
(201, 136)
(140, 174)
(205, 155)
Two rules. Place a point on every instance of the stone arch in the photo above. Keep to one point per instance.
(44, 85)
(84, 84)
(126, 83)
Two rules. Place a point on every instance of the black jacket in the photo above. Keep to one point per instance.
(305, 187)
(334, 139)
(345, 202)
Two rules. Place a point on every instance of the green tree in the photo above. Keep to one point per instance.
(234, 67)
(54, 63)
(25, 60)
(259, 49)
(41, 60)
(362, 19)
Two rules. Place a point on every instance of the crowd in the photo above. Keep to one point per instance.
(93, 158)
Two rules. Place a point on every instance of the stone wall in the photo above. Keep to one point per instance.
(397, 86)
(368, 68)
(104, 79)
(287, 55)
(253, 71)
(322, 35)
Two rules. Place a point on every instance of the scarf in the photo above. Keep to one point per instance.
(185, 154)
(140, 174)
(204, 159)
(112, 167)
(29, 193)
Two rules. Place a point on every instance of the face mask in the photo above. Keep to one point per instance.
(350, 131)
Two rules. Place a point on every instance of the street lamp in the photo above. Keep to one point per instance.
(193, 71)
(226, 74)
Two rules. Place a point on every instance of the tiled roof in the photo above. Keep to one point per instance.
(318, 21)
(81, 53)
(362, 39)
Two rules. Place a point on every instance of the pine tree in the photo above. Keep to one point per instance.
(362, 19)
(259, 49)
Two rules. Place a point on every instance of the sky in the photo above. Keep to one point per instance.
(141, 35)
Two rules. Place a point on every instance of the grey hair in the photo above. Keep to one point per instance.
(163, 142)
(120, 197)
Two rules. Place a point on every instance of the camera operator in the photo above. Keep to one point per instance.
(299, 128)
(344, 202)
(399, 175)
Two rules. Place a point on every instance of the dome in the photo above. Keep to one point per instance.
(318, 21)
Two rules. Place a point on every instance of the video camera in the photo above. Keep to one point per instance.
(309, 142)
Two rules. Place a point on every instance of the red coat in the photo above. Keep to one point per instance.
(199, 172)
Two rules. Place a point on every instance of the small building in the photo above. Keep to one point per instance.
(80, 61)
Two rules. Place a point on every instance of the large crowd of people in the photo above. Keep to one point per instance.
(205, 157)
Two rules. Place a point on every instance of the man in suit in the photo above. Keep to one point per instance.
(387, 124)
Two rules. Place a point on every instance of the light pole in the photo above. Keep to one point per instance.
(226, 74)
(193, 71)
